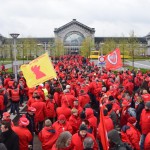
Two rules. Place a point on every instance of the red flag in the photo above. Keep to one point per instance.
(102, 131)
(113, 60)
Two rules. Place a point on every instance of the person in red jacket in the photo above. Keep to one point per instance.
(50, 107)
(40, 113)
(83, 98)
(92, 119)
(74, 120)
(145, 123)
(24, 134)
(78, 138)
(147, 142)
(15, 98)
(2, 106)
(108, 121)
(62, 125)
(132, 134)
(47, 135)
(67, 96)
(64, 110)
(145, 96)
(77, 106)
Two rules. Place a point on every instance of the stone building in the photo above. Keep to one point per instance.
(72, 34)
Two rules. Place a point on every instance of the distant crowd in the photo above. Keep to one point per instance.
(65, 112)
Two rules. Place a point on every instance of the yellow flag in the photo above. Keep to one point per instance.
(38, 71)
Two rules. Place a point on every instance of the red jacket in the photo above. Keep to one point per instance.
(77, 141)
(83, 99)
(134, 136)
(145, 121)
(15, 95)
(147, 142)
(92, 119)
(108, 123)
(50, 109)
(64, 110)
(40, 113)
(48, 137)
(69, 98)
(146, 97)
(75, 122)
(62, 127)
(2, 106)
(24, 137)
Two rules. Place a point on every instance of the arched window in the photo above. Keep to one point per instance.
(73, 39)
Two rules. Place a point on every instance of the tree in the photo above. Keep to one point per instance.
(133, 44)
(123, 46)
(59, 48)
(86, 47)
(109, 45)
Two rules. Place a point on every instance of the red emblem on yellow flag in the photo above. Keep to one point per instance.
(38, 71)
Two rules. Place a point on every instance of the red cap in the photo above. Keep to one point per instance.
(23, 121)
(31, 109)
(6, 114)
(62, 117)
(132, 120)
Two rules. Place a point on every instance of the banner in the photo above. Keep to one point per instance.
(102, 130)
(113, 60)
(38, 71)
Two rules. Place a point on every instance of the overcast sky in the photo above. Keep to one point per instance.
(38, 18)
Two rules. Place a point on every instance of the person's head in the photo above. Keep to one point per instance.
(76, 103)
(5, 126)
(36, 94)
(74, 112)
(109, 107)
(114, 137)
(64, 140)
(83, 130)
(62, 119)
(31, 110)
(147, 106)
(88, 143)
(132, 120)
(23, 121)
(6, 116)
(48, 123)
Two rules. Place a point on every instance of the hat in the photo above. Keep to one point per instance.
(31, 109)
(83, 127)
(132, 120)
(6, 114)
(62, 117)
(23, 121)
(147, 105)
(67, 86)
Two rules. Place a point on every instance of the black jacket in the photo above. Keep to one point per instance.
(10, 139)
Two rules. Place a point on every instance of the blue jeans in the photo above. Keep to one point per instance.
(15, 107)
(142, 140)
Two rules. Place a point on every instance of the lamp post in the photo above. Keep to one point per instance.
(14, 36)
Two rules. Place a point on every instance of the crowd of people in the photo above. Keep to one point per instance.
(65, 112)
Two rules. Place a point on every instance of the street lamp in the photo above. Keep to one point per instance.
(14, 36)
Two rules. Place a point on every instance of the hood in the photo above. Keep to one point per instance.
(89, 112)
(114, 137)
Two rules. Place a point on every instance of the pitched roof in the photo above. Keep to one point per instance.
(74, 21)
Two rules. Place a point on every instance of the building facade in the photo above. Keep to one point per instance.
(72, 35)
